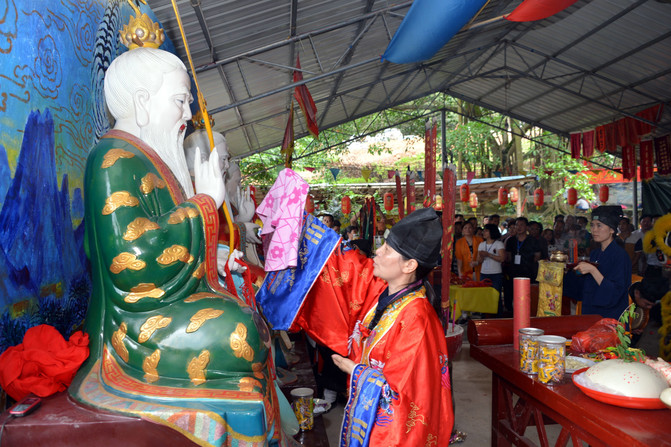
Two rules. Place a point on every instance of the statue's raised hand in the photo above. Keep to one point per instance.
(208, 177)
(246, 208)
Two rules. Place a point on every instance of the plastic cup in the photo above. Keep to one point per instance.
(303, 406)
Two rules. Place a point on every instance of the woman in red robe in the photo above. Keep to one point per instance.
(378, 315)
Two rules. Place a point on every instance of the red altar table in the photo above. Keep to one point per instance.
(581, 417)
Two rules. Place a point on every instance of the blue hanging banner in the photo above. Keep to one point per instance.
(428, 26)
(335, 172)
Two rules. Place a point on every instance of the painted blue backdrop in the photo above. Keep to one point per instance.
(53, 55)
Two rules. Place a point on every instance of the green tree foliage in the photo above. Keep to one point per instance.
(476, 139)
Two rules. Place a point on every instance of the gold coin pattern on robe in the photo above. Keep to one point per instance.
(125, 261)
(113, 155)
(152, 325)
(143, 290)
(200, 296)
(239, 343)
(138, 227)
(151, 181)
(196, 367)
(117, 200)
(258, 370)
(182, 213)
(149, 365)
(174, 253)
(201, 317)
(247, 384)
(199, 272)
(118, 344)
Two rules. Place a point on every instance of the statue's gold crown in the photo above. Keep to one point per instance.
(141, 32)
(199, 120)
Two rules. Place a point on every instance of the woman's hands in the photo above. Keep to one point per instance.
(585, 267)
(346, 365)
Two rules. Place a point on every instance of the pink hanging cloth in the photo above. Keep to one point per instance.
(281, 212)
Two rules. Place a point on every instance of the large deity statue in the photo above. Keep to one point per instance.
(168, 343)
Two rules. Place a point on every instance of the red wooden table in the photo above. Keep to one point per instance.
(581, 417)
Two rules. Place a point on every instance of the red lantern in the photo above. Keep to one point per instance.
(539, 197)
(603, 193)
(464, 192)
(346, 205)
(388, 201)
(473, 200)
(503, 196)
(572, 196)
(514, 195)
(310, 204)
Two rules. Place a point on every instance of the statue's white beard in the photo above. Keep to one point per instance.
(169, 146)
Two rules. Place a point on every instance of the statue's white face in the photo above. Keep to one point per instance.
(169, 108)
(167, 113)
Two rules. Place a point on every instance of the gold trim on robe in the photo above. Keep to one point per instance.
(144, 290)
(113, 155)
(152, 325)
(200, 317)
(125, 261)
(150, 365)
(196, 367)
(117, 200)
(239, 343)
(138, 227)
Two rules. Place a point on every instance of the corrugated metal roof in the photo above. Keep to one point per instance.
(588, 65)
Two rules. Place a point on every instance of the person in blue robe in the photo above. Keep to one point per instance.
(607, 275)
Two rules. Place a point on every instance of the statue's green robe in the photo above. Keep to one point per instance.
(162, 329)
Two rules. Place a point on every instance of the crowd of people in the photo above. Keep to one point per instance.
(497, 250)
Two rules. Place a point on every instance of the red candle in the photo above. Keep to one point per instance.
(521, 307)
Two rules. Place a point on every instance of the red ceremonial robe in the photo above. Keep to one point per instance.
(407, 346)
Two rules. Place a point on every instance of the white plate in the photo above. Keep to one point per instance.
(321, 406)
(584, 363)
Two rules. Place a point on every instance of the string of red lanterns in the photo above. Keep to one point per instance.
(503, 196)
(464, 193)
(539, 198)
(572, 196)
(603, 193)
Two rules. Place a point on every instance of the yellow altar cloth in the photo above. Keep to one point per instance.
(474, 299)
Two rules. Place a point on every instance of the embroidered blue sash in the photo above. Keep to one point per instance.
(282, 292)
(366, 387)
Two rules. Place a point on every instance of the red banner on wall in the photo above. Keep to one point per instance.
(647, 157)
(628, 162)
(663, 155)
(601, 138)
(588, 144)
(610, 137)
(621, 132)
(576, 144)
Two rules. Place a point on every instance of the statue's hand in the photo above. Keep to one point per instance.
(208, 177)
(246, 207)
(222, 259)
(233, 265)
(252, 228)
